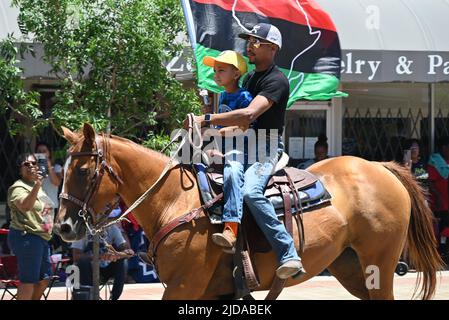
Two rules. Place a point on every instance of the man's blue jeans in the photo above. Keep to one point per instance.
(246, 182)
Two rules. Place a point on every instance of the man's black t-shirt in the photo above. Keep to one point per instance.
(271, 84)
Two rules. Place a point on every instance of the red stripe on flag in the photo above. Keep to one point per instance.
(280, 9)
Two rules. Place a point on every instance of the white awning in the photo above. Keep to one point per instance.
(8, 20)
(392, 40)
(399, 25)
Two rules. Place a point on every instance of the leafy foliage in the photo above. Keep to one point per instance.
(109, 56)
(13, 96)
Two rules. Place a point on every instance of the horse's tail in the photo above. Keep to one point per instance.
(421, 243)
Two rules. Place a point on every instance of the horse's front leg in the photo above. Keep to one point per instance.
(189, 283)
(187, 262)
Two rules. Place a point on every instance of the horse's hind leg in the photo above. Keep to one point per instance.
(348, 271)
(379, 264)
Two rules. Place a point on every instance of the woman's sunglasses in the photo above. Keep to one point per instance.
(29, 163)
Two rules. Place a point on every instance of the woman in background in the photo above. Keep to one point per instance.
(30, 229)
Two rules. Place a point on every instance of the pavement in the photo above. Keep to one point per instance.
(318, 288)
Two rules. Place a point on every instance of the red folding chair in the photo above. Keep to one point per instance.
(9, 276)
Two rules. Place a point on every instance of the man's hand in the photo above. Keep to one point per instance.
(197, 119)
(206, 109)
(129, 252)
(111, 257)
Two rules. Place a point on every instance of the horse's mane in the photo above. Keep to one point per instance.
(131, 144)
(141, 148)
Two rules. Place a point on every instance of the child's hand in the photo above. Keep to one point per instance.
(232, 131)
(214, 153)
(206, 109)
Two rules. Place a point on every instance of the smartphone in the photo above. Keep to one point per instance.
(42, 164)
(407, 156)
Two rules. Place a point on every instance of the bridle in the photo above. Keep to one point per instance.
(101, 153)
(102, 165)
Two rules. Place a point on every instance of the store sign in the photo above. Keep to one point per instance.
(388, 66)
(180, 64)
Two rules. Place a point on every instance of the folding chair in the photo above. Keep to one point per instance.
(106, 286)
(8, 276)
(56, 268)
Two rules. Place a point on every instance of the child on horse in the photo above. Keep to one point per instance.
(229, 67)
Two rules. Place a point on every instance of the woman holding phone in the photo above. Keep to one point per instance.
(30, 229)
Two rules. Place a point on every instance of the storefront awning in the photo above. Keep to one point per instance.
(8, 19)
(381, 40)
(394, 40)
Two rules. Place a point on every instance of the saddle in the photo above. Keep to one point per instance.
(291, 191)
(305, 191)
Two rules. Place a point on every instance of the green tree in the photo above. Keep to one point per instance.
(22, 105)
(109, 56)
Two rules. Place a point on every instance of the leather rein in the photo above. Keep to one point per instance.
(101, 153)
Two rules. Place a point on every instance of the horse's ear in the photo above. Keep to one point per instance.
(69, 135)
(89, 133)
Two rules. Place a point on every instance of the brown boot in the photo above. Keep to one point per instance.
(227, 238)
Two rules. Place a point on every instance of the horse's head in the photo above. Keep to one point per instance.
(90, 185)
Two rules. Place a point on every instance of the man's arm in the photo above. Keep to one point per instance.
(240, 117)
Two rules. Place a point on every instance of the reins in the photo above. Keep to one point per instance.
(103, 165)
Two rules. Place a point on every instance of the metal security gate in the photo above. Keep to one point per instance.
(10, 149)
(379, 118)
(303, 125)
(441, 109)
(381, 133)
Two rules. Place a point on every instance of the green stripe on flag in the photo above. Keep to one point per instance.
(314, 86)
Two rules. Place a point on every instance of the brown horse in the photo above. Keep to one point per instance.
(375, 209)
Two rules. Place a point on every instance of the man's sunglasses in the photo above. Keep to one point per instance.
(29, 163)
(256, 43)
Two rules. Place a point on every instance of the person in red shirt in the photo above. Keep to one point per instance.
(438, 169)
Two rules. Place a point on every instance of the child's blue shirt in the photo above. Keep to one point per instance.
(232, 101)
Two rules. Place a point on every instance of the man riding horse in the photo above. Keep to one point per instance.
(270, 89)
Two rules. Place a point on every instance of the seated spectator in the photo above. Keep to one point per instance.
(112, 265)
(415, 163)
(321, 149)
(140, 268)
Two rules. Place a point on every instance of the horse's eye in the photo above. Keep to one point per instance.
(83, 171)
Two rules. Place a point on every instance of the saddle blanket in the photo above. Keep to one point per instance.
(311, 196)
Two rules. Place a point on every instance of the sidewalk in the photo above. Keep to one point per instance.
(318, 288)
